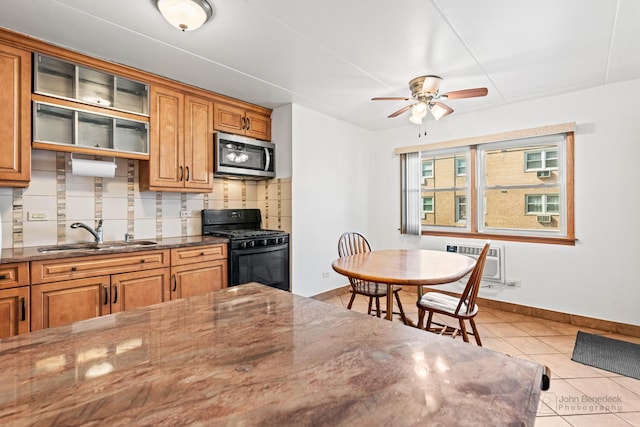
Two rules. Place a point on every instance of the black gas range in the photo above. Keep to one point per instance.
(255, 254)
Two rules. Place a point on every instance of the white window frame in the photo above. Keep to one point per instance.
(457, 166)
(430, 170)
(458, 152)
(560, 140)
(543, 160)
(432, 204)
(544, 203)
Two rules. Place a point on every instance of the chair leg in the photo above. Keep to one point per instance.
(463, 329)
(429, 319)
(404, 319)
(353, 297)
(475, 332)
(370, 302)
(378, 306)
(420, 318)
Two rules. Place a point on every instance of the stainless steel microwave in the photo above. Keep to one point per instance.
(237, 156)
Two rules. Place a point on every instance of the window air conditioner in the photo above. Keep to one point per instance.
(425, 181)
(424, 215)
(544, 174)
(494, 265)
(544, 219)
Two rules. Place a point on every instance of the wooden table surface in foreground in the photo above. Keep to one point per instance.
(254, 355)
(415, 267)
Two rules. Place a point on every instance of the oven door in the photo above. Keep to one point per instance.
(266, 265)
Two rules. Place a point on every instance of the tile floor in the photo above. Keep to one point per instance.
(579, 395)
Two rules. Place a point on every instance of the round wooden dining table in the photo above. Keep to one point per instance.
(407, 267)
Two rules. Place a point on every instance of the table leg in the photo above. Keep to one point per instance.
(389, 315)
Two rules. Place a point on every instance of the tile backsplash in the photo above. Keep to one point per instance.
(64, 198)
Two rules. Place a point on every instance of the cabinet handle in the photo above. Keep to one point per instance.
(188, 174)
(142, 261)
(181, 173)
(3, 277)
(248, 123)
(23, 310)
(74, 268)
(244, 123)
(106, 295)
(175, 282)
(115, 293)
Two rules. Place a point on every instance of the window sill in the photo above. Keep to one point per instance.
(567, 241)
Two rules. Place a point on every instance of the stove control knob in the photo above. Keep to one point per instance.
(265, 242)
(243, 245)
(252, 243)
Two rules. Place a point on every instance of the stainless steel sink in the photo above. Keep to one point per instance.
(95, 246)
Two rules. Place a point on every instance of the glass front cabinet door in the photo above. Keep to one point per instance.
(81, 109)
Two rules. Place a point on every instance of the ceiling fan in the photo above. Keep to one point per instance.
(425, 90)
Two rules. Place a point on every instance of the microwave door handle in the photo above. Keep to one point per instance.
(267, 156)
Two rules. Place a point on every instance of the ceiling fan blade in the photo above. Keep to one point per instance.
(466, 93)
(439, 110)
(396, 98)
(400, 111)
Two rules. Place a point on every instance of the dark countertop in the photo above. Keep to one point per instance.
(32, 254)
(255, 355)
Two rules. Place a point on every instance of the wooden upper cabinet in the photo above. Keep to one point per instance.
(198, 143)
(15, 117)
(231, 119)
(181, 143)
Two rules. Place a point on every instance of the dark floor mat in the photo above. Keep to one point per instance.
(609, 354)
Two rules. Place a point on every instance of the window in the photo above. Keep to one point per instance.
(427, 204)
(441, 193)
(461, 166)
(541, 160)
(461, 208)
(480, 189)
(537, 204)
(427, 169)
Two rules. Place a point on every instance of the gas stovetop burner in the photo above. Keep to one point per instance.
(245, 234)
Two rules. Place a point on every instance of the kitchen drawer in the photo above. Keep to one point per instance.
(14, 274)
(193, 254)
(54, 270)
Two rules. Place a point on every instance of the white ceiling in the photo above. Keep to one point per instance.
(333, 56)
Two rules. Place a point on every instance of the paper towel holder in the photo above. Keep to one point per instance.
(92, 167)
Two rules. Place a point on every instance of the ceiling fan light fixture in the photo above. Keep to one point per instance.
(437, 111)
(186, 15)
(420, 109)
(416, 119)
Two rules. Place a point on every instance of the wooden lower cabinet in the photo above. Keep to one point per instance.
(198, 279)
(139, 289)
(14, 299)
(14, 311)
(61, 303)
(67, 290)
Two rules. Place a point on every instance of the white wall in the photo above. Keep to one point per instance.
(281, 136)
(597, 276)
(330, 194)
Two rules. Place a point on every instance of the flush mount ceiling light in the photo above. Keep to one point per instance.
(186, 15)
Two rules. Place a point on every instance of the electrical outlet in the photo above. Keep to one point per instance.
(325, 274)
(38, 216)
(184, 214)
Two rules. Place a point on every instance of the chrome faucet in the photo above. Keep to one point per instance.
(97, 233)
